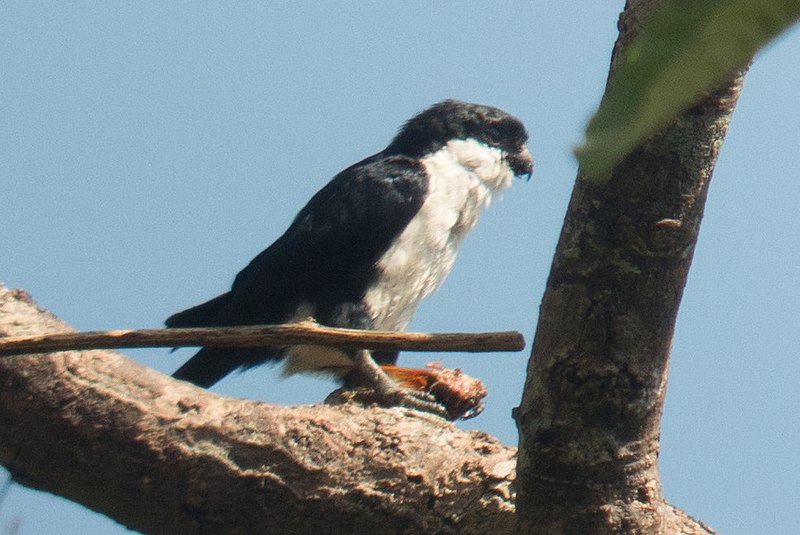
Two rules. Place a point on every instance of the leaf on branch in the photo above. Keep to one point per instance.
(684, 51)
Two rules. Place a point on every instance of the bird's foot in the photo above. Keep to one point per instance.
(397, 397)
(413, 399)
(381, 389)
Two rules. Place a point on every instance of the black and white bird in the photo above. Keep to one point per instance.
(371, 244)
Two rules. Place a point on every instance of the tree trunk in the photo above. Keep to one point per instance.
(589, 418)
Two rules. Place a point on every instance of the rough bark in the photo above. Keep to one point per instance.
(589, 418)
(162, 456)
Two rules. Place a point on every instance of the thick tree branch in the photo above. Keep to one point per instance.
(590, 415)
(162, 456)
(266, 335)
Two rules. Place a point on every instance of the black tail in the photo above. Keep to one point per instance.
(208, 366)
(211, 364)
(203, 315)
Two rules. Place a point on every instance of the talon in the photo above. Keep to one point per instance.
(381, 388)
(422, 401)
(445, 392)
(397, 397)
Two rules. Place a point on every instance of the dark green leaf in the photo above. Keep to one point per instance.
(687, 48)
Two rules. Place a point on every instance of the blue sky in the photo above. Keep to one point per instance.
(149, 150)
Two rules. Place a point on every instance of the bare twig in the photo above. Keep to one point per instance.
(265, 335)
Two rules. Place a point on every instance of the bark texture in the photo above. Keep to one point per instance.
(589, 418)
(162, 456)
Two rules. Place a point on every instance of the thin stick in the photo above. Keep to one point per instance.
(266, 335)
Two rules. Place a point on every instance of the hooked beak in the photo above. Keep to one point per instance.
(521, 163)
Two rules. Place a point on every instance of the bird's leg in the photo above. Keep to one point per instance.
(390, 392)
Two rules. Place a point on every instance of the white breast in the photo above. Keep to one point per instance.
(463, 176)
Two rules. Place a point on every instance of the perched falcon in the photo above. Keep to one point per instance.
(371, 244)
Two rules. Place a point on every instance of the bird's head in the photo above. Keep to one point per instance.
(454, 120)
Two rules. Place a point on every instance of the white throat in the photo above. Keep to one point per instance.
(463, 176)
(484, 162)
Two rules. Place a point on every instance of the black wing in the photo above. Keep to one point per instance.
(327, 255)
(331, 248)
